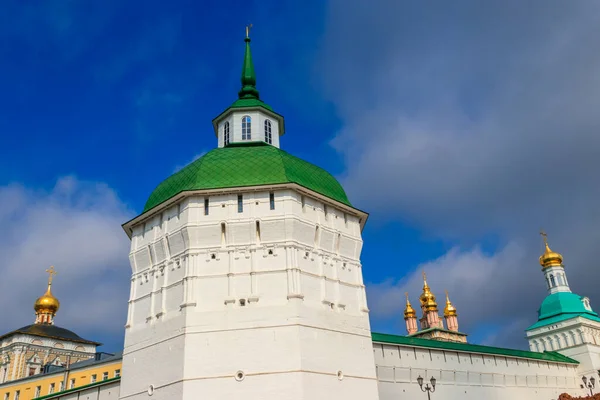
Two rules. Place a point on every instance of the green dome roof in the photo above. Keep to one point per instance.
(248, 164)
(562, 303)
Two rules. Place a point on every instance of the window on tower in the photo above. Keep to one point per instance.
(552, 281)
(246, 128)
(268, 135)
(240, 203)
(226, 133)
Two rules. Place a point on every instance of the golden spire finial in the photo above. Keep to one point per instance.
(549, 258)
(449, 310)
(248, 27)
(51, 271)
(409, 312)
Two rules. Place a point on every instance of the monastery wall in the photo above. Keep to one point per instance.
(463, 375)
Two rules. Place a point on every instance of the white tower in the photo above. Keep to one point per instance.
(566, 322)
(246, 275)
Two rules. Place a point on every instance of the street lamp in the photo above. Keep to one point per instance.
(427, 388)
(589, 385)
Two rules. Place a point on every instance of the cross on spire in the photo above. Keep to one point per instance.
(544, 236)
(51, 273)
(248, 27)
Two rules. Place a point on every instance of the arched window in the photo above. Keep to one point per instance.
(246, 128)
(268, 135)
(560, 279)
(552, 281)
(226, 133)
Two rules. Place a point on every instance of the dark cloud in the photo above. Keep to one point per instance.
(468, 119)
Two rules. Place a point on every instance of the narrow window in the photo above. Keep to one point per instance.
(240, 203)
(303, 202)
(71, 383)
(206, 206)
(52, 386)
(316, 236)
(223, 234)
(246, 128)
(346, 220)
(325, 210)
(226, 133)
(117, 373)
(552, 281)
(61, 386)
(257, 231)
(17, 394)
(268, 136)
(272, 200)
(339, 239)
(104, 376)
(93, 379)
(560, 280)
(38, 391)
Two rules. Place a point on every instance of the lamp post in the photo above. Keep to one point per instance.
(590, 385)
(427, 388)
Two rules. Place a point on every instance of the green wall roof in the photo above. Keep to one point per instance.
(247, 164)
(551, 356)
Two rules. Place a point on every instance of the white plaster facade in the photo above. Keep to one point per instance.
(21, 353)
(264, 126)
(466, 375)
(261, 304)
(578, 338)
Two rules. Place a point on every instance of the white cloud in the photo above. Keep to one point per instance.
(76, 227)
(470, 121)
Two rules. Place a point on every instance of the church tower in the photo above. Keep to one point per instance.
(246, 275)
(566, 321)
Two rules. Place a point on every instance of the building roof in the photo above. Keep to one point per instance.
(562, 317)
(58, 395)
(247, 164)
(562, 306)
(550, 356)
(416, 334)
(50, 331)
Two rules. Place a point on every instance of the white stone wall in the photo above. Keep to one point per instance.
(285, 304)
(257, 128)
(578, 338)
(462, 375)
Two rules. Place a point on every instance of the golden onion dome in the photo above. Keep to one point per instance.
(427, 298)
(409, 312)
(449, 310)
(550, 258)
(47, 303)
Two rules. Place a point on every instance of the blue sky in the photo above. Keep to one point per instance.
(461, 129)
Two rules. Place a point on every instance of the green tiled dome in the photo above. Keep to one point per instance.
(562, 303)
(248, 164)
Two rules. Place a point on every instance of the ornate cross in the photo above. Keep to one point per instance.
(406, 293)
(545, 236)
(424, 276)
(248, 30)
(52, 272)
